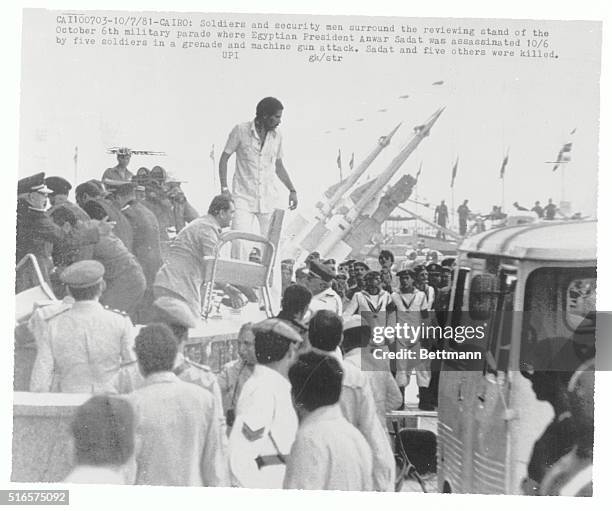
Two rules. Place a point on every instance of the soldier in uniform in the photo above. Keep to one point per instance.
(145, 227)
(372, 300)
(62, 255)
(324, 297)
(266, 422)
(427, 401)
(120, 171)
(235, 373)
(125, 281)
(36, 232)
(83, 346)
(90, 196)
(182, 211)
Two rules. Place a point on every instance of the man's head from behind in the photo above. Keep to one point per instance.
(316, 381)
(84, 280)
(176, 314)
(103, 432)
(275, 342)
(156, 348)
(295, 301)
(87, 191)
(325, 331)
(223, 209)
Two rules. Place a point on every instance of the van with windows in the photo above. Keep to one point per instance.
(524, 284)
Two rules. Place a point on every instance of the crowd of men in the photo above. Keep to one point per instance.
(303, 406)
(123, 221)
(465, 214)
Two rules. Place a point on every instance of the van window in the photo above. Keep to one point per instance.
(556, 312)
(500, 330)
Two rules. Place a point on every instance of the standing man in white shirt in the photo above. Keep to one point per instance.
(329, 453)
(266, 422)
(356, 399)
(259, 160)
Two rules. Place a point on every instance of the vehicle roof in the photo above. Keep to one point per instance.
(544, 240)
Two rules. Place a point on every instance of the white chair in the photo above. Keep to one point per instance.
(27, 299)
(244, 273)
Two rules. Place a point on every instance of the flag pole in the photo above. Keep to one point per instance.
(76, 164)
(214, 165)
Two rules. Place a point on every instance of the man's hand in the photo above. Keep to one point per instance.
(225, 191)
(293, 201)
(235, 297)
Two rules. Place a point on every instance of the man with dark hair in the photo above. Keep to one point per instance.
(82, 347)
(91, 198)
(181, 275)
(294, 305)
(329, 453)
(266, 422)
(359, 270)
(125, 281)
(103, 433)
(120, 171)
(259, 158)
(356, 400)
(371, 300)
(177, 433)
(178, 316)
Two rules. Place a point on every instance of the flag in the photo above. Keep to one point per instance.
(439, 82)
(502, 171)
(564, 155)
(419, 171)
(212, 152)
(76, 154)
(339, 160)
(352, 162)
(454, 172)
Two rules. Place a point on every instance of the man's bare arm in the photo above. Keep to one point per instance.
(283, 175)
(223, 170)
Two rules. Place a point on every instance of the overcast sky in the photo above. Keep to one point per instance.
(183, 101)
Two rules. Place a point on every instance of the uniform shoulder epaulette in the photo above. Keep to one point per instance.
(117, 311)
(50, 310)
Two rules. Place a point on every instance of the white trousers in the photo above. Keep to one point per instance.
(256, 223)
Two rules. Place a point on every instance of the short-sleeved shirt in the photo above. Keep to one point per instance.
(182, 271)
(254, 186)
(265, 427)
